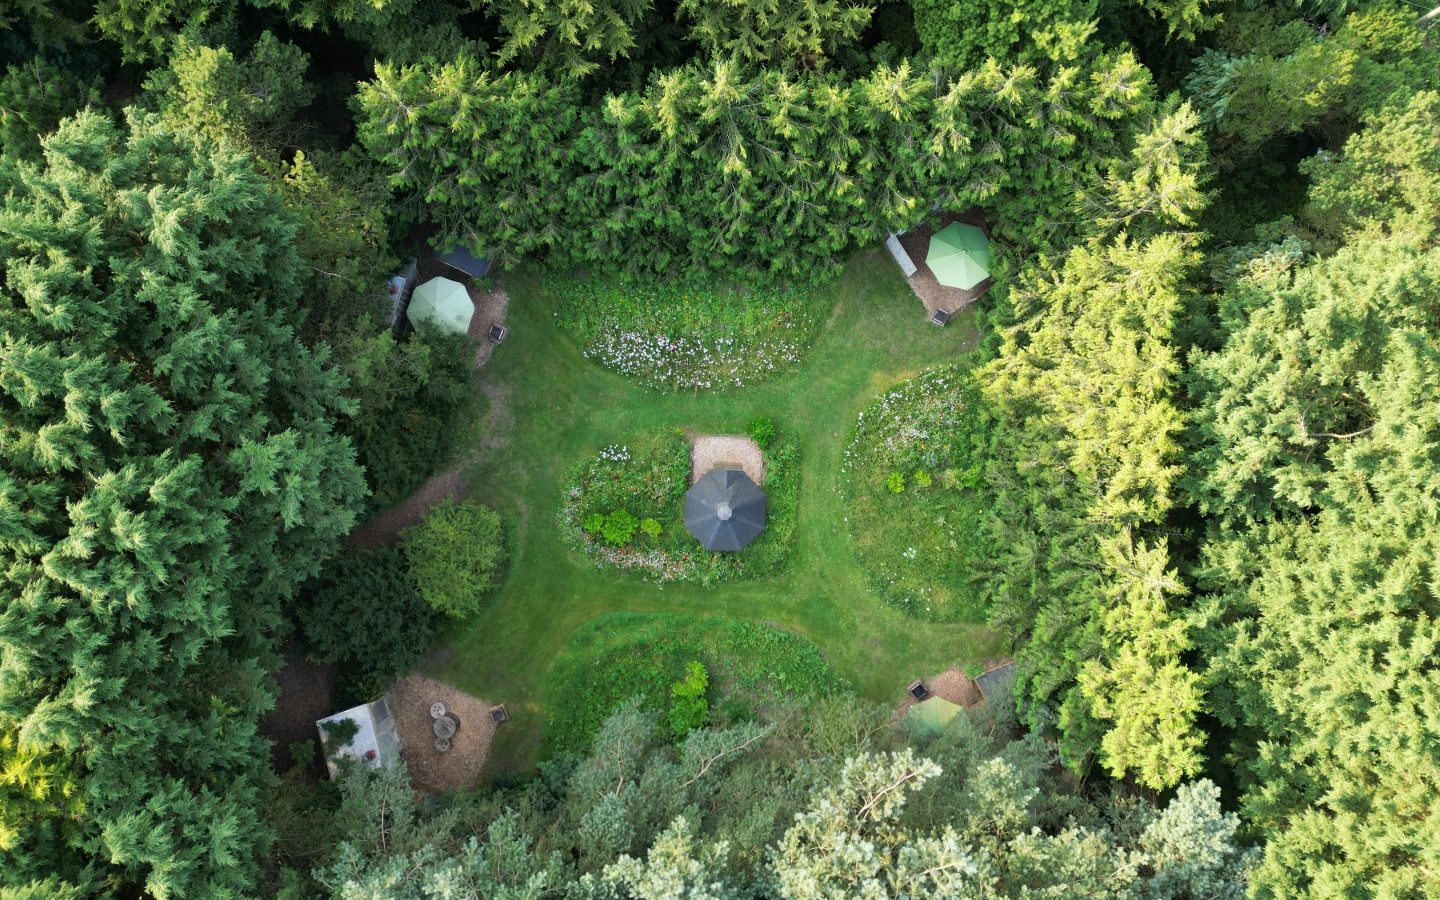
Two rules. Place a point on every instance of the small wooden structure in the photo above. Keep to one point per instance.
(375, 741)
(401, 286)
(902, 258)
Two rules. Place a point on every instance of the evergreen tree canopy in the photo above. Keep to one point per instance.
(1320, 444)
(747, 812)
(717, 168)
(783, 33)
(571, 38)
(1083, 467)
(1385, 183)
(170, 473)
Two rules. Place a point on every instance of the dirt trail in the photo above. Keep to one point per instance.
(384, 528)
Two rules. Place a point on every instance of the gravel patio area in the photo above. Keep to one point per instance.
(710, 450)
(458, 768)
(952, 684)
(932, 293)
(490, 309)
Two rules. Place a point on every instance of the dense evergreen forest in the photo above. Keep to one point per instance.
(1201, 435)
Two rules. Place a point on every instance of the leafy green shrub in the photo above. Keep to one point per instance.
(921, 550)
(688, 707)
(689, 333)
(651, 527)
(595, 523)
(338, 734)
(364, 612)
(620, 656)
(619, 527)
(762, 431)
(300, 810)
(454, 555)
(415, 404)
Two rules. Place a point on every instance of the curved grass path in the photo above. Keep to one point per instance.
(565, 408)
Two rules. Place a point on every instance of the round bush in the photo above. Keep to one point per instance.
(364, 613)
(454, 555)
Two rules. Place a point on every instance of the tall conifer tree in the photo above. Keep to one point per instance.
(169, 472)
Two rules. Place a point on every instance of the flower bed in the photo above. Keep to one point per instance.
(688, 334)
(646, 482)
(915, 505)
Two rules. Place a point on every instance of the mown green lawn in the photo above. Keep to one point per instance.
(565, 408)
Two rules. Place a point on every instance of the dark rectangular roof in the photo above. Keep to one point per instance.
(996, 679)
(462, 259)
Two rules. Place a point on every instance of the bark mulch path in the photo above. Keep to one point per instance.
(383, 529)
(305, 692)
(932, 293)
(710, 450)
(458, 768)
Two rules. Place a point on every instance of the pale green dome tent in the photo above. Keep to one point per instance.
(932, 714)
(441, 302)
(959, 256)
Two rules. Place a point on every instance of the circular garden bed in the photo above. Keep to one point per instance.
(914, 502)
(625, 510)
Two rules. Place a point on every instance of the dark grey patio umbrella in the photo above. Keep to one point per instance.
(725, 510)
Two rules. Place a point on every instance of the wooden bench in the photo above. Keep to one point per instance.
(892, 243)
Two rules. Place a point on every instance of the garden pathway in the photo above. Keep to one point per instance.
(565, 408)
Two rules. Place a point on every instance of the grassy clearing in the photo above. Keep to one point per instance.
(688, 334)
(566, 409)
(624, 655)
(916, 512)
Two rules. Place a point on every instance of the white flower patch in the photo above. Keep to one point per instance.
(689, 362)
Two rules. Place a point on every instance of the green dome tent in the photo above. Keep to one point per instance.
(933, 714)
(959, 256)
(441, 302)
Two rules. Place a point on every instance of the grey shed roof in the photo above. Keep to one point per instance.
(464, 261)
(725, 510)
(999, 678)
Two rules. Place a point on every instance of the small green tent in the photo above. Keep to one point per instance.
(959, 256)
(933, 714)
(441, 302)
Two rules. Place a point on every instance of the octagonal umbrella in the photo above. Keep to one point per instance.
(442, 302)
(933, 714)
(725, 510)
(959, 256)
